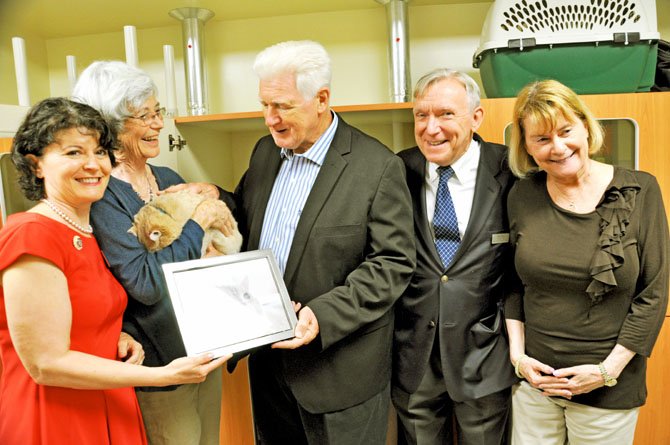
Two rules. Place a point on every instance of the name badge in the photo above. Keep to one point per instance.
(500, 238)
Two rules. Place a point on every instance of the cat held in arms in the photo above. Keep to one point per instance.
(160, 222)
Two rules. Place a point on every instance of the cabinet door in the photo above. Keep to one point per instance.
(236, 418)
(653, 426)
(5, 144)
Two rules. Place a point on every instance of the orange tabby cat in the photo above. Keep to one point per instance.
(160, 222)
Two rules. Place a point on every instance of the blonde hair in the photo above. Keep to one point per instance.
(545, 102)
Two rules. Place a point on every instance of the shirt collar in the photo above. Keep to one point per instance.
(463, 167)
(317, 152)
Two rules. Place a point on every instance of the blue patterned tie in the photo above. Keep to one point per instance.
(445, 222)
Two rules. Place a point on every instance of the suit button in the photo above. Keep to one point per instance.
(431, 324)
(444, 278)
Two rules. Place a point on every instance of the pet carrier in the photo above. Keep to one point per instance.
(593, 46)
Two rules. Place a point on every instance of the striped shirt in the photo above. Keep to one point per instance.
(293, 183)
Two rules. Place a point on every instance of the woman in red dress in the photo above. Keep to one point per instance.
(68, 369)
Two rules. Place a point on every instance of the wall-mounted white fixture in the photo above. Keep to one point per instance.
(130, 38)
(71, 63)
(21, 69)
(170, 85)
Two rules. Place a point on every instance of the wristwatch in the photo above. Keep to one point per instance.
(609, 380)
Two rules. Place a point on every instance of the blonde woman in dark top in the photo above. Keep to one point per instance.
(591, 252)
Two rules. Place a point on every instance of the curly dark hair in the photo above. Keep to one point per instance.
(40, 128)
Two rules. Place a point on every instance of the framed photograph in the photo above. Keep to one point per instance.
(230, 303)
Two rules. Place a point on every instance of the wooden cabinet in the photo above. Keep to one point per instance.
(652, 425)
(218, 148)
(5, 144)
(219, 145)
(236, 422)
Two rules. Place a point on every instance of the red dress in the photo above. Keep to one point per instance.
(32, 414)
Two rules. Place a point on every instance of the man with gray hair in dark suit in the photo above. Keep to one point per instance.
(333, 205)
(451, 357)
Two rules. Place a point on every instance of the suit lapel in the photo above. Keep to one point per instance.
(333, 166)
(416, 181)
(487, 191)
(270, 162)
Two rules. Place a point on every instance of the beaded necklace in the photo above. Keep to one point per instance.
(58, 211)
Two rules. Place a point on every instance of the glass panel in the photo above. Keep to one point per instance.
(620, 146)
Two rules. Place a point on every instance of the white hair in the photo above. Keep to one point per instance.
(438, 74)
(115, 89)
(307, 60)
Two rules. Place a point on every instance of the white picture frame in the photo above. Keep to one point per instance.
(230, 303)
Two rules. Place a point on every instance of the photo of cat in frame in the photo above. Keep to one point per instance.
(230, 303)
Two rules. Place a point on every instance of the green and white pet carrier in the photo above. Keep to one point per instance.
(593, 46)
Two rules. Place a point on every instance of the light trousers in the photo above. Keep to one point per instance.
(189, 415)
(538, 419)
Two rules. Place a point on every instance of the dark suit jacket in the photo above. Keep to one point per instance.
(352, 257)
(464, 301)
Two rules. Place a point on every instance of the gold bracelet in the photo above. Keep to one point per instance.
(517, 364)
(608, 379)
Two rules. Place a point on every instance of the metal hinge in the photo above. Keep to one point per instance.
(178, 143)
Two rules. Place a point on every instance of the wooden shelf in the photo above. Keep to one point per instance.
(382, 114)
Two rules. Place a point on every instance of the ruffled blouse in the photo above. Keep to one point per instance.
(614, 210)
(619, 252)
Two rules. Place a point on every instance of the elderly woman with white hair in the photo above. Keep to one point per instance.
(127, 98)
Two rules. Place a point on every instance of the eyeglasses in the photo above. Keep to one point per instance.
(148, 118)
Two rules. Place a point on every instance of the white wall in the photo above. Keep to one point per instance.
(10, 119)
(356, 40)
